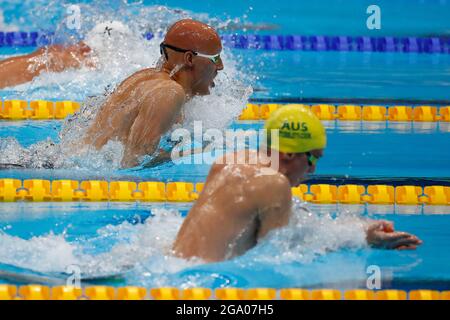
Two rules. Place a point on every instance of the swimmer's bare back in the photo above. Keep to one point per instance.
(142, 108)
(233, 212)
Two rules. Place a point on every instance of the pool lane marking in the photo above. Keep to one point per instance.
(14, 110)
(426, 45)
(37, 190)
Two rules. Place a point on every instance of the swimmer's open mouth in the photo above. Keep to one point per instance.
(213, 84)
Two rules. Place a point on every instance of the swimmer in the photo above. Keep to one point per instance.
(241, 203)
(58, 58)
(149, 102)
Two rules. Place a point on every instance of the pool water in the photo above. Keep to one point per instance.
(107, 235)
(327, 249)
(357, 150)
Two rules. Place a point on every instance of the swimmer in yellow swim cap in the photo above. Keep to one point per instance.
(242, 201)
(301, 140)
(299, 129)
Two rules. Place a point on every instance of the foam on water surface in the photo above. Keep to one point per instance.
(118, 51)
(143, 251)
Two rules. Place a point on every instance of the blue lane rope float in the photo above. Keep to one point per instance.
(338, 43)
(24, 39)
(279, 42)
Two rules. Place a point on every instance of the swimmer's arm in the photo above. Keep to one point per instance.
(162, 157)
(158, 113)
(22, 69)
(275, 210)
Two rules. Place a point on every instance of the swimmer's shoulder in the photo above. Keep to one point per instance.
(133, 81)
(168, 87)
(145, 75)
(251, 174)
(261, 187)
(144, 81)
(269, 180)
(267, 187)
(155, 74)
(239, 158)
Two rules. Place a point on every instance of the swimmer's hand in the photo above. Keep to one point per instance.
(381, 234)
(73, 56)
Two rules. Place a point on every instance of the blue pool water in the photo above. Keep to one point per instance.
(427, 267)
(355, 150)
(133, 239)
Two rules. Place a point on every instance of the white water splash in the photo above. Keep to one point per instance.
(43, 253)
(118, 54)
(68, 153)
(135, 244)
(144, 250)
(4, 26)
(310, 235)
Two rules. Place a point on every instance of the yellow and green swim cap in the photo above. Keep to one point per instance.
(299, 129)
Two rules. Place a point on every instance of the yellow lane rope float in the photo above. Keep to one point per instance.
(38, 292)
(357, 112)
(48, 110)
(35, 190)
(37, 110)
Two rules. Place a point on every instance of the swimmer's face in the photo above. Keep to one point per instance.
(297, 166)
(195, 39)
(204, 70)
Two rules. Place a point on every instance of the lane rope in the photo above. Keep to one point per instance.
(431, 45)
(40, 292)
(37, 190)
(49, 110)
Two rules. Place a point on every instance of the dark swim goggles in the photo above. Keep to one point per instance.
(215, 58)
(312, 159)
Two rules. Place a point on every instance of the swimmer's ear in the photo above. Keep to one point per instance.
(188, 58)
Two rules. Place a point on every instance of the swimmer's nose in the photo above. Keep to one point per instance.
(219, 66)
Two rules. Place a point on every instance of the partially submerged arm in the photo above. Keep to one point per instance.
(276, 214)
(159, 110)
(56, 58)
